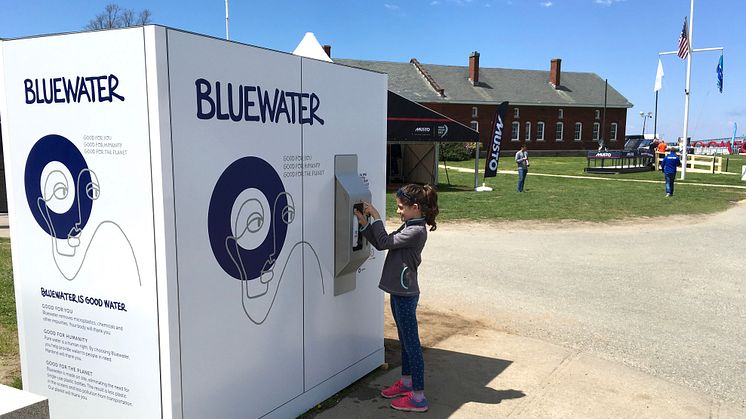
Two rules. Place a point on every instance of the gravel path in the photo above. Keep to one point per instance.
(666, 296)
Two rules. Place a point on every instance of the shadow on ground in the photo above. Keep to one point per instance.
(452, 379)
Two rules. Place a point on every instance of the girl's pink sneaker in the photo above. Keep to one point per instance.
(409, 404)
(398, 389)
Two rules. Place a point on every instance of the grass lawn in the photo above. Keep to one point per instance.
(8, 326)
(556, 199)
(574, 166)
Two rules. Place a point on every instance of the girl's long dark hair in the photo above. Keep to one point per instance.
(424, 196)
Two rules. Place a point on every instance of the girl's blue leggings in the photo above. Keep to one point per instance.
(404, 310)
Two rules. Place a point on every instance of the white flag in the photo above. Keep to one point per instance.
(659, 76)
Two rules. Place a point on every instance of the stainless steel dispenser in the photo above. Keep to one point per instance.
(350, 248)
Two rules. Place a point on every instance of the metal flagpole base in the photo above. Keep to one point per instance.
(483, 188)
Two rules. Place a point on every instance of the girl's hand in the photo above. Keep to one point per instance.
(361, 218)
(371, 210)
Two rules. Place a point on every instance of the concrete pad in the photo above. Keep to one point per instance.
(19, 404)
(586, 386)
(464, 377)
(494, 374)
(528, 363)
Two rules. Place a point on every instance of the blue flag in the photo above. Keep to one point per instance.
(735, 128)
(720, 74)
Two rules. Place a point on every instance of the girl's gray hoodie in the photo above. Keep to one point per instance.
(405, 246)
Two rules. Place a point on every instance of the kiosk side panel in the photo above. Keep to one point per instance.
(343, 333)
(236, 137)
(77, 152)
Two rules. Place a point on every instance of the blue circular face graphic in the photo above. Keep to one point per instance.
(237, 261)
(56, 148)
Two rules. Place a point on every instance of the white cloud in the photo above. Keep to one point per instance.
(391, 6)
(434, 3)
(608, 2)
(548, 3)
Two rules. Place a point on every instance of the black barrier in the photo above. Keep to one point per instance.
(619, 161)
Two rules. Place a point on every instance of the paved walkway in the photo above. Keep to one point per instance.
(485, 372)
(489, 374)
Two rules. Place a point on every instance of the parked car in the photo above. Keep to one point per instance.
(636, 142)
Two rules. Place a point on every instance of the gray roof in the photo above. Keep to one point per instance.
(519, 87)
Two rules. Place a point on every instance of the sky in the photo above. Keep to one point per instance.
(617, 39)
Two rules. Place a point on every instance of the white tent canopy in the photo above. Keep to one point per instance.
(309, 47)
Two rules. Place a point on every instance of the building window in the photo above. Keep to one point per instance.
(612, 135)
(596, 128)
(598, 114)
(516, 113)
(528, 131)
(578, 131)
(539, 131)
(475, 125)
(515, 135)
(474, 112)
(560, 130)
(560, 114)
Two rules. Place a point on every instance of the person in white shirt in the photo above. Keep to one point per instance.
(521, 159)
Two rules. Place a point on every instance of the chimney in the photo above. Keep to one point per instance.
(554, 72)
(474, 68)
(328, 50)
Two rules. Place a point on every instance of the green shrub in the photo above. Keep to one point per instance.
(457, 151)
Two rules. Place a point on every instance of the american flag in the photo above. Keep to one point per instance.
(683, 43)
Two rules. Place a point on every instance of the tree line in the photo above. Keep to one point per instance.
(115, 16)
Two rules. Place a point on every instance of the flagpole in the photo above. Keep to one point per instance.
(602, 140)
(476, 166)
(687, 91)
(226, 20)
(655, 121)
(484, 187)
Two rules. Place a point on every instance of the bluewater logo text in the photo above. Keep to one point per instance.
(68, 90)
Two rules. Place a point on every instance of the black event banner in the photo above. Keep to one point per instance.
(493, 151)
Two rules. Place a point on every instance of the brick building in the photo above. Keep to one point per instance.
(549, 110)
